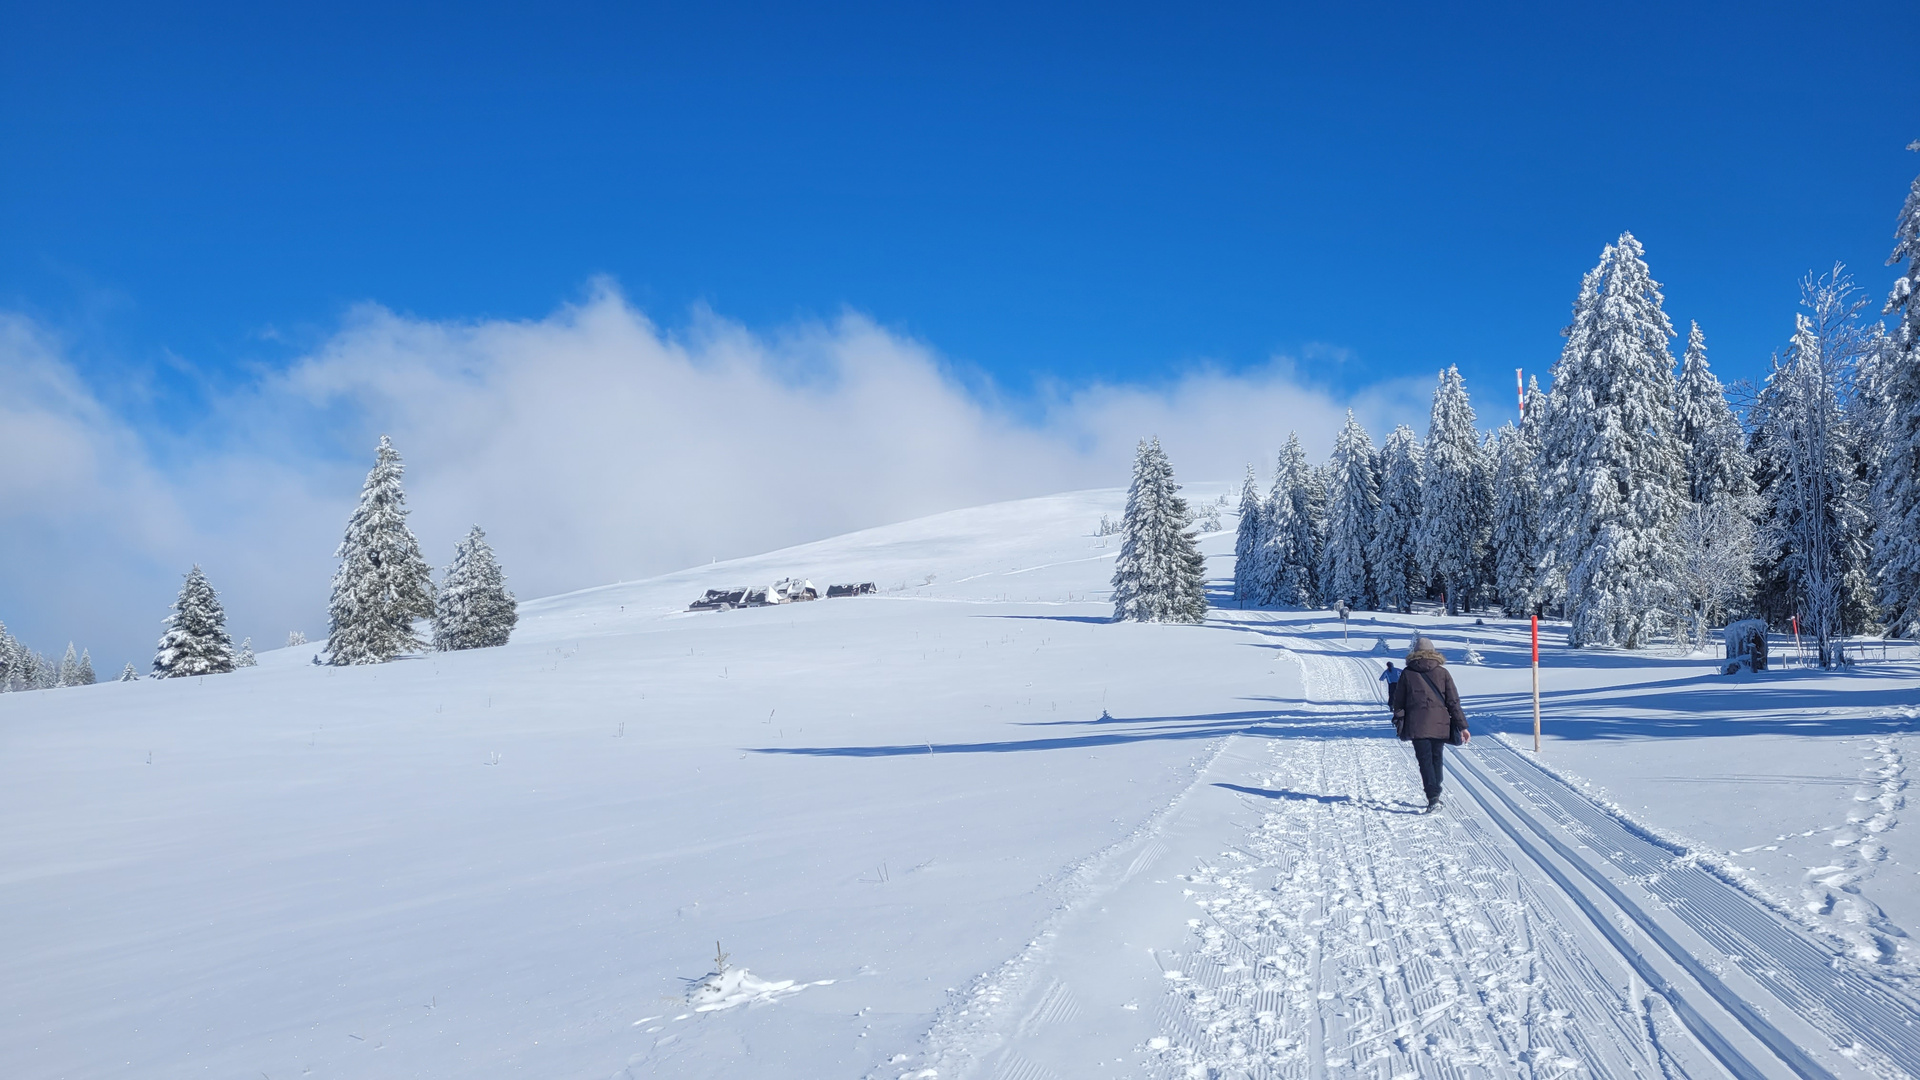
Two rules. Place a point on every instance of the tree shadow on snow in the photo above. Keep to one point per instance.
(1120, 731)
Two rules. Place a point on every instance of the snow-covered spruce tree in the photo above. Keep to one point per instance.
(9, 659)
(1717, 572)
(1710, 436)
(1249, 582)
(1896, 395)
(1393, 556)
(128, 674)
(1160, 575)
(1453, 508)
(1817, 522)
(1615, 472)
(383, 584)
(196, 641)
(84, 675)
(1353, 501)
(1486, 574)
(1516, 512)
(69, 667)
(474, 610)
(1291, 552)
(245, 657)
(1319, 498)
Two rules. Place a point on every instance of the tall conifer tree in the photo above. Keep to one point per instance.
(1817, 520)
(1516, 517)
(474, 610)
(1453, 494)
(1392, 555)
(1248, 581)
(196, 641)
(1897, 400)
(1160, 575)
(383, 584)
(1613, 495)
(1354, 501)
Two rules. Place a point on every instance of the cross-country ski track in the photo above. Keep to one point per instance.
(1329, 927)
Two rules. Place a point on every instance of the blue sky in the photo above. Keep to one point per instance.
(237, 243)
(1073, 194)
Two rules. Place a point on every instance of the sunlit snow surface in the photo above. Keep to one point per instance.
(987, 833)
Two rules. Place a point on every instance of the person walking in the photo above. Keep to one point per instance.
(1390, 676)
(1426, 712)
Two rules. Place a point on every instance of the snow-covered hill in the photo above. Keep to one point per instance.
(962, 827)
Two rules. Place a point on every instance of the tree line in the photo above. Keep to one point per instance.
(1637, 498)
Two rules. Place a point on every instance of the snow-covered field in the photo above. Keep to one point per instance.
(965, 827)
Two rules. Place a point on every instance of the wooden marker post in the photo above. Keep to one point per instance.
(1536, 684)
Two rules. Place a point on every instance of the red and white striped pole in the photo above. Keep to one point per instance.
(1536, 684)
(1520, 392)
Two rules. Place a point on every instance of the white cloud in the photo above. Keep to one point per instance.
(591, 445)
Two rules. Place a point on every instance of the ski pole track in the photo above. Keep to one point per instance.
(1855, 1008)
(1351, 933)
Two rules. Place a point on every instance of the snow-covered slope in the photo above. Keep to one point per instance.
(966, 825)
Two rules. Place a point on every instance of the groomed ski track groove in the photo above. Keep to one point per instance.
(1814, 981)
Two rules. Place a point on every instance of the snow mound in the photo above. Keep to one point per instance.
(738, 986)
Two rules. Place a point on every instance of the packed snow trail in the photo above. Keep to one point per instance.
(1788, 991)
(1353, 931)
(1521, 931)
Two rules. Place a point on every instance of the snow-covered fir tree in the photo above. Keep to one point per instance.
(1817, 522)
(1613, 489)
(128, 674)
(83, 675)
(383, 584)
(1319, 498)
(69, 667)
(1515, 536)
(1393, 556)
(1353, 501)
(474, 610)
(1249, 582)
(1716, 542)
(1160, 575)
(245, 657)
(1290, 554)
(9, 659)
(1717, 463)
(1452, 491)
(1486, 574)
(1896, 399)
(196, 641)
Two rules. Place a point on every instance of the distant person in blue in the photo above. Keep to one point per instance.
(1390, 676)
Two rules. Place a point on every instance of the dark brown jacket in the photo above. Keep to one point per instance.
(1428, 715)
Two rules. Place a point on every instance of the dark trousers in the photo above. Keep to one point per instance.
(1429, 751)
